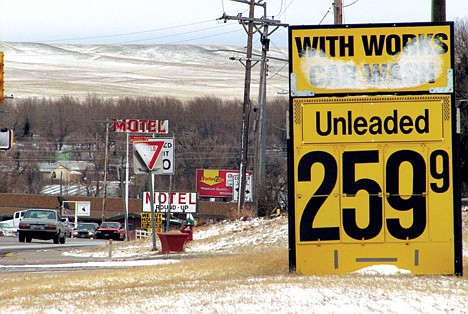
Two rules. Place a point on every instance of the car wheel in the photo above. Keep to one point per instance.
(28, 239)
(21, 237)
(56, 239)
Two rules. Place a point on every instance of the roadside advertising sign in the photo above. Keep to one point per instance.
(154, 154)
(217, 183)
(146, 221)
(141, 126)
(83, 208)
(180, 202)
(374, 177)
(248, 188)
(371, 59)
(6, 138)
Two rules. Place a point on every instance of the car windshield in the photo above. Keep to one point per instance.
(4, 225)
(40, 214)
(85, 227)
(110, 225)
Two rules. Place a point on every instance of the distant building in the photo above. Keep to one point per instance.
(65, 172)
(69, 178)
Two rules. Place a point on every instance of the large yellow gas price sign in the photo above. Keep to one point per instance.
(373, 175)
(374, 185)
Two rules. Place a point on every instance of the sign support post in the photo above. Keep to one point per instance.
(136, 126)
(168, 212)
(153, 224)
(76, 213)
(149, 157)
(127, 169)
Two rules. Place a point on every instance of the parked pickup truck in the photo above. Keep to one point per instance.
(111, 230)
(43, 224)
(17, 216)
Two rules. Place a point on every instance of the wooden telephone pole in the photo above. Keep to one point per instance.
(438, 11)
(251, 26)
(338, 12)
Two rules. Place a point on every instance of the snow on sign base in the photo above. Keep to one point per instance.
(149, 152)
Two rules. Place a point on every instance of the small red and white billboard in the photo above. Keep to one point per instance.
(217, 183)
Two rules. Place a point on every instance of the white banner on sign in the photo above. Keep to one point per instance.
(181, 202)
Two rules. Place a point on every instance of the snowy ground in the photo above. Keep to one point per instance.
(377, 289)
(182, 71)
(225, 237)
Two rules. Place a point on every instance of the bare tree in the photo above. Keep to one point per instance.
(461, 93)
(56, 120)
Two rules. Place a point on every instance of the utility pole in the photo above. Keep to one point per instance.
(438, 11)
(2, 84)
(127, 178)
(246, 103)
(260, 123)
(260, 25)
(104, 195)
(338, 12)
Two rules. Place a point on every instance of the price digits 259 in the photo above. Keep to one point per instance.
(416, 202)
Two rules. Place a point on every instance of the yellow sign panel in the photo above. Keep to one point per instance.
(363, 199)
(376, 120)
(371, 59)
(146, 221)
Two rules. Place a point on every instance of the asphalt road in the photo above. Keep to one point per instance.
(37, 252)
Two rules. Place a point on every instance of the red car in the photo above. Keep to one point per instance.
(111, 230)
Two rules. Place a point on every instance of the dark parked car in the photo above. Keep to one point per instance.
(111, 230)
(86, 230)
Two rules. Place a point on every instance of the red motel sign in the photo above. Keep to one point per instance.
(141, 126)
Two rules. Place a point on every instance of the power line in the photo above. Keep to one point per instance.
(180, 34)
(285, 9)
(127, 34)
(151, 31)
(323, 18)
(348, 5)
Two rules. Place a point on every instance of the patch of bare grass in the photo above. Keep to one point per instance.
(36, 290)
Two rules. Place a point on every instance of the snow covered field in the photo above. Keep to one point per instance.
(182, 71)
(232, 267)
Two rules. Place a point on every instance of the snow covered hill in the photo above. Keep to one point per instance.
(182, 71)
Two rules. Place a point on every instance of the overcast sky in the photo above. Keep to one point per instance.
(188, 21)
